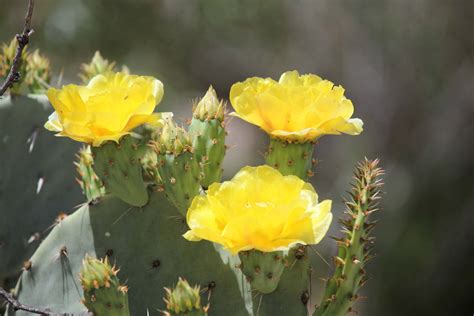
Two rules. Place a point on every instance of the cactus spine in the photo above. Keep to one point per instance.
(291, 158)
(208, 136)
(354, 247)
(177, 166)
(103, 294)
(184, 300)
(118, 166)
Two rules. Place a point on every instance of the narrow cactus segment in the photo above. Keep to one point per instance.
(103, 293)
(291, 158)
(262, 269)
(184, 300)
(118, 166)
(208, 136)
(177, 166)
(90, 183)
(354, 247)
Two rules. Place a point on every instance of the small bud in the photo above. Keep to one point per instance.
(183, 298)
(209, 107)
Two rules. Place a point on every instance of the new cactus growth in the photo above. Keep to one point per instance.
(98, 66)
(208, 136)
(90, 183)
(254, 230)
(177, 165)
(103, 293)
(118, 166)
(184, 300)
(354, 247)
(262, 269)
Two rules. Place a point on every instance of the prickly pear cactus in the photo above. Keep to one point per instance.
(36, 179)
(103, 293)
(243, 244)
(145, 243)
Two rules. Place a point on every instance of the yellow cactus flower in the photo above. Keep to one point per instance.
(259, 209)
(109, 107)
(296, 108)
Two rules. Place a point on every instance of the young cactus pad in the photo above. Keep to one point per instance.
(177, 166)
(103, 293)
(119, 168)
(208, 136)
(184, 300)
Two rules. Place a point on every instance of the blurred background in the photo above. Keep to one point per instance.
(408, 67)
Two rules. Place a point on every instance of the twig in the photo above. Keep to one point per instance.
(23, 39)
(17, 305)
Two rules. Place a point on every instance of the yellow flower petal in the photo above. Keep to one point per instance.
(259, 209)
(108, 108)
(296, 108)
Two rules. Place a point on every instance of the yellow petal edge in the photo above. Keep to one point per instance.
(259, 209)
(297, 108)
(109, 107)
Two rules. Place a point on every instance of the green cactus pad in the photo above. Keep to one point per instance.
(118, 166)
(180, 178)
(147, 245)
(36, 180)
(291, 158)
(103, 294)
(262, 269)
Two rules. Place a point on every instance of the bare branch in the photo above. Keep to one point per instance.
(23, 39)
(17, 305)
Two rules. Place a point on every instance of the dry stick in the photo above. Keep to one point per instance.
(23, 39)
(17, 305)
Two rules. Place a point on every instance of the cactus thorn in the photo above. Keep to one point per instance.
(27, 265)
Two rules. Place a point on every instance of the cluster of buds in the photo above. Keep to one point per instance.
(184, 300)
(35, 74)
